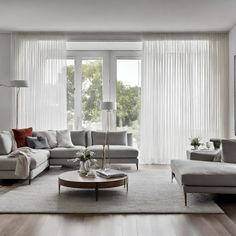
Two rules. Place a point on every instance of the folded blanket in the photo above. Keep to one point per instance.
(23, 156)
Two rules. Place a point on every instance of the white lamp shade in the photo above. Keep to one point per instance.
(19, 83)
(108, 106)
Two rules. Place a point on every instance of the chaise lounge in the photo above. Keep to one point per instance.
(205, 176)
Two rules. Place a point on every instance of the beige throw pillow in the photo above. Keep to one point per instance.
(64, 139)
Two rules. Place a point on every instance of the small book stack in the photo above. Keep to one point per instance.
(110, 173)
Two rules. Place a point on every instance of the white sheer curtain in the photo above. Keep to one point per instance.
(184, 93)
(40, 59)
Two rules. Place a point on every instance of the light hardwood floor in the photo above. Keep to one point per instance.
(116, 225)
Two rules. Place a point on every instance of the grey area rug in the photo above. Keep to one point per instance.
(150, 191)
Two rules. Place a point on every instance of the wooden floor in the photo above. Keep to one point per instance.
(112, 225)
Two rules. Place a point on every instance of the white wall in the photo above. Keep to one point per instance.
(232, 52)
(5, 93)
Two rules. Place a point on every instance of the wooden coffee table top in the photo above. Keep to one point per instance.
(74, 180)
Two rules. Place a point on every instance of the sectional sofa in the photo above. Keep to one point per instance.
(121, 151)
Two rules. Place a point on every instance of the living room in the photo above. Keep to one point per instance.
(117, 117)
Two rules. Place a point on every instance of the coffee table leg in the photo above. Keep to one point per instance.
(127, 186)
(59, 188)
(96, 190)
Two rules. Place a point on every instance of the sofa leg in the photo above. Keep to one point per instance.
(172, 177)
(185, 198)
(29, 178)
(137, 165)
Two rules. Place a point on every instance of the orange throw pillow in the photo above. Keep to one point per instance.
(20, 136)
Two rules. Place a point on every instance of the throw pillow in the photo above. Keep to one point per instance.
(5, 143)
(20, 136)
(64, 139)
(51, 137)
(38, 142)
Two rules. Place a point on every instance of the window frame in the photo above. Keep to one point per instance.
(109, 77)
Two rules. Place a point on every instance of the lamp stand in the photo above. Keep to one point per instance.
(107, 143)
(17, 107)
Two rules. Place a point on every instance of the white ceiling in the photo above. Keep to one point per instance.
(117, 15)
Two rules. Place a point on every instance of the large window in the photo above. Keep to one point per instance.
(128, 88)
(96, 76)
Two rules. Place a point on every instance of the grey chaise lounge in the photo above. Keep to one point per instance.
(205, 176)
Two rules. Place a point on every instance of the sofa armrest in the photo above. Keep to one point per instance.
(129, 139)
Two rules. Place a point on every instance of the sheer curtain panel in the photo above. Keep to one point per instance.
(184, 93)
(41, 60)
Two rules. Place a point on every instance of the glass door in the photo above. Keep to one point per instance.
(128, 88)
(70, 94)
(92, 70)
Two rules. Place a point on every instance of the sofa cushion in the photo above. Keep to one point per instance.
(66, 153)
(64, 139)
(229, 151)
(203, 173)
(115, 151)
(37, 158)
(115, 138)
(78, 138)
(5, 142)
(21, 135)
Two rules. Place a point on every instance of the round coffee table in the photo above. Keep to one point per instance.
(72, 179)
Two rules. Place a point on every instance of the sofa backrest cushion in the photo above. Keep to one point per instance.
(78, 138)
(5, 142)
(115, 138)
(229, 151)
(21, 135)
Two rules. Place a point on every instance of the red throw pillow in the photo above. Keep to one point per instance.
(20, 136)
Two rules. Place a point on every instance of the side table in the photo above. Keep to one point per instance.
(204, 155)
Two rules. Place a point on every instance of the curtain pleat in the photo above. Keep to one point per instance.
(40, 59)
(184, 93)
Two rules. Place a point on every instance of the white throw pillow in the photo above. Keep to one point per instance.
(51, 137)
(64, 139)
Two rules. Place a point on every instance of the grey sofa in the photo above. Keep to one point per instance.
(208, 177)
(43, 159)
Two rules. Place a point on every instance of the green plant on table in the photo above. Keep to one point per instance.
(195, 142)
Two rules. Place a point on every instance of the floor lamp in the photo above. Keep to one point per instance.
(108, 107)
(17, 84)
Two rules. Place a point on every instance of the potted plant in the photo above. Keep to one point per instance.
(195, 142)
